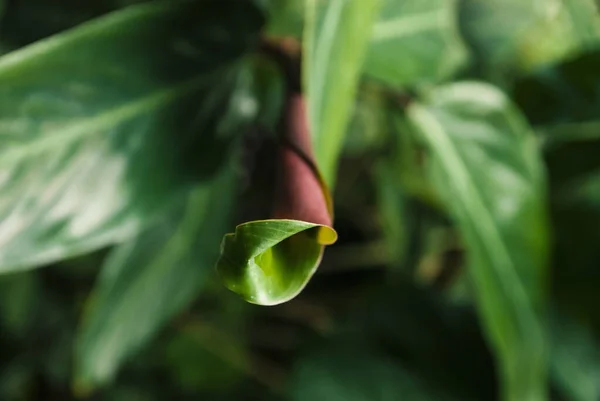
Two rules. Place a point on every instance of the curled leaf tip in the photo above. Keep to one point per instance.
(268, 262)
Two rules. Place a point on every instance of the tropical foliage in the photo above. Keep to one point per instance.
(411, 186)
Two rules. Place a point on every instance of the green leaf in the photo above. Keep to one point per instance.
(88, 151)
(336, 34)
(415, 42)
(269, 262)
(485, 164)
(146, 281)
(527, 33)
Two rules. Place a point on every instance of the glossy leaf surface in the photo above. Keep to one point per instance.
(146, 281)
(269, 262)
(486, 167)
(414, 42)
(336, 35)
(102, 126)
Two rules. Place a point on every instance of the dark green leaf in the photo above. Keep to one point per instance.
(486, 165)
(146, 281)
(103, 126)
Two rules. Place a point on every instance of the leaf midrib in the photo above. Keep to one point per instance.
(448, 155)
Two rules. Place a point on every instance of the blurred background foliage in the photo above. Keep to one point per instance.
(463, 137)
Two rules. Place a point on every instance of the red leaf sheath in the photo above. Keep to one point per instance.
(300, 192)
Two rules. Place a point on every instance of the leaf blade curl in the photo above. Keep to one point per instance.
(268, 262)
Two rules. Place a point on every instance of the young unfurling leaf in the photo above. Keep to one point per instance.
(268, 262)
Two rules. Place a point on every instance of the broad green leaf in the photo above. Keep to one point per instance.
(101, 127)
(336, 34)
(348, 374)
(527, 33)
(415, 41)
(146, 281)
(485, 164)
